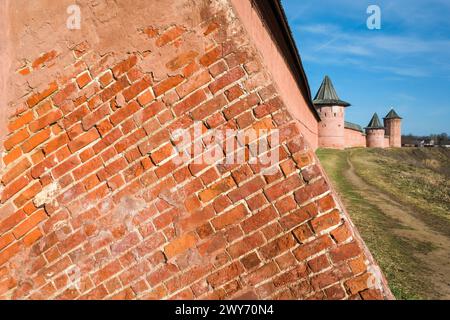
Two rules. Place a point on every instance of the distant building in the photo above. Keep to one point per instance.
(335, 132)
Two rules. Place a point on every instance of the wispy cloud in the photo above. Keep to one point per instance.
(383, 52)
(407, 71)
(405, 64)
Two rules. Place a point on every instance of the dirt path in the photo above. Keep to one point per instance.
(438, 259)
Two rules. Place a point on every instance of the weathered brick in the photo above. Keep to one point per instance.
(193, 83)
(311, 191)
(209, 107)
(20, 121)
(162, 274)
(299, 272)
(124, 66)
(302, 233)
(66, 166)
(5, 240)
(169, 35)
(326, 221)
(16, 138)
(227, 79)
(189, 103)
(250, 261)
(46, 120)
(181, 60)
(261, 274)
(28, 194)
(83, 140)
(225, 274)
(245, 245)
(229, 217)
(247, 189)
(345, 252)
(137, 88)
(278, 246)
(146, 97)
(130, 140)
(106, 272)
(286, 204)
(87, 168)
(106, 78)
(167, 84)
(63, 95)
(341, 233)
(9, 252)
(124, 112)
(76, 115)
(94, 117)
(38, 97)
(114, 89)
(241, 106)
(12, 188)
(259, 219)
(180, 245)
(319, 263)
(11, 221)
(29, 223)
(44, 58)
(217, 189)
(283, 187)
(358, 283)
(154, 141)
(11, 156)
(211, 56)
(370, 294)
(218, 68)
(56, 143)
(313, 247)
(325, 279)
(326, 203)
(83, 79)
(269, 107)
(15, 171)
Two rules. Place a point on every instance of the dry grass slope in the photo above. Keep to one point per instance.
(400, 201)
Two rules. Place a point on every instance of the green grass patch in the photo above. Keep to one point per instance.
(395, 254)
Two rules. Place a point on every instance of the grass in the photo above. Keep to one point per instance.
(419, 178)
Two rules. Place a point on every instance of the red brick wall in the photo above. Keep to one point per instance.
(92, 208)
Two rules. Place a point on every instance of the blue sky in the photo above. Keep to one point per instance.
(405, 64)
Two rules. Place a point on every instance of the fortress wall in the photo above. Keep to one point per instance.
(331, 128)
(93, 205)
(386, 142)
(281, 74)
(354, 138)
(375, 138)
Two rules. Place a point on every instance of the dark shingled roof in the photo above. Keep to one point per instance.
(326, 95)
(392, 115)
(375, 123)
(353, 126)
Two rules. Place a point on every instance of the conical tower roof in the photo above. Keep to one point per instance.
(375, 122)
(326, 95)
(392, 115)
